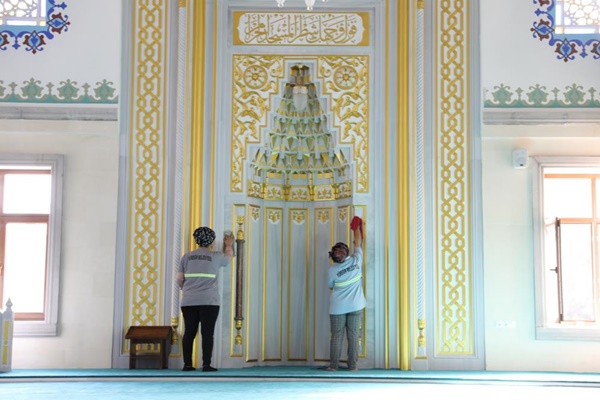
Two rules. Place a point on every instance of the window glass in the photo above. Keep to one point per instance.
(23, 12)
(27, 194)
(567, 198)
(551, 275)
(577, 16)
(25, 267)
(576, 272)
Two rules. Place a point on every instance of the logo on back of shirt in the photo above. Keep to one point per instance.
(201, 257)
(346, 270)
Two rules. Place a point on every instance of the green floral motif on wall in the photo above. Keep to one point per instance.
(539, 96)
(66, 92)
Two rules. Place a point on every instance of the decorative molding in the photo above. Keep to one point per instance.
(540, 96)
(33, 38)
(343, 215)
(65, 92)
(323, 216)
(147, 166)
(419, 187)
(59, 112)
(540, 116)
(454, 320)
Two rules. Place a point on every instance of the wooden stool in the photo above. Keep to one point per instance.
(160, 335)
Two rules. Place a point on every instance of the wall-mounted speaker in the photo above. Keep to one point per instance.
(520, 158)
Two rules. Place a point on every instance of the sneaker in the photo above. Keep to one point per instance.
(208, 368)
(188, 368)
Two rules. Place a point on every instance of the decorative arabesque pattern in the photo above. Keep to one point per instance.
(344, 79)
(66, 92)
(454, 311)
(254, 78)
(146, 157)
(29, 34)
(299, 160)
(540, 96)
(555, 17)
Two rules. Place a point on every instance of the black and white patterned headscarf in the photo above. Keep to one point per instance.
(204, 236)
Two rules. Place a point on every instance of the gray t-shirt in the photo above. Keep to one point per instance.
(346, 281)
(200, 269)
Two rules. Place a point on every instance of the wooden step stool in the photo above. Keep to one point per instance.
(160, 335)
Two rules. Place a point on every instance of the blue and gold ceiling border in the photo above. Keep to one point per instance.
(551, 26)
(34, 37)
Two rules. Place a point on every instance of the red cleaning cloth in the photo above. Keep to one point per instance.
(356, 223)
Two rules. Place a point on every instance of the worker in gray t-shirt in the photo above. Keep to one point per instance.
(197, 276)
(347, 300)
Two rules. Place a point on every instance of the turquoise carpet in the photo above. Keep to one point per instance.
(307, 373)
(269, 383)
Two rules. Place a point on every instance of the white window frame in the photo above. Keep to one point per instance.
(49, 326)
(549, 330)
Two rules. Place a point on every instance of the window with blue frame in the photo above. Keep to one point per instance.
(572, 27)
(30, 24)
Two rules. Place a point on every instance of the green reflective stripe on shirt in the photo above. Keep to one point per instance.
(346, 283)
(200, 275)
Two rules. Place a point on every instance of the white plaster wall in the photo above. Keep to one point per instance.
(508, 249)
(512, 56)
(88, 240)
(88, 52)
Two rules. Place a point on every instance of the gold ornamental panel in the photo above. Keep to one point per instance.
(455, 313)
(257, 79)
(147, 163)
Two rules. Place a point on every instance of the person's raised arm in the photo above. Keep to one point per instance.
(228, 242)
(356, 226)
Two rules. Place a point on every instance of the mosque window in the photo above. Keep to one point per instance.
(30, 215)
(30, 24)
(23, 12)
(567, 254)
(571, 27)
(578, 16)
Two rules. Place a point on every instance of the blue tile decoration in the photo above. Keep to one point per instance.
(33, 38)
(567, 46)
